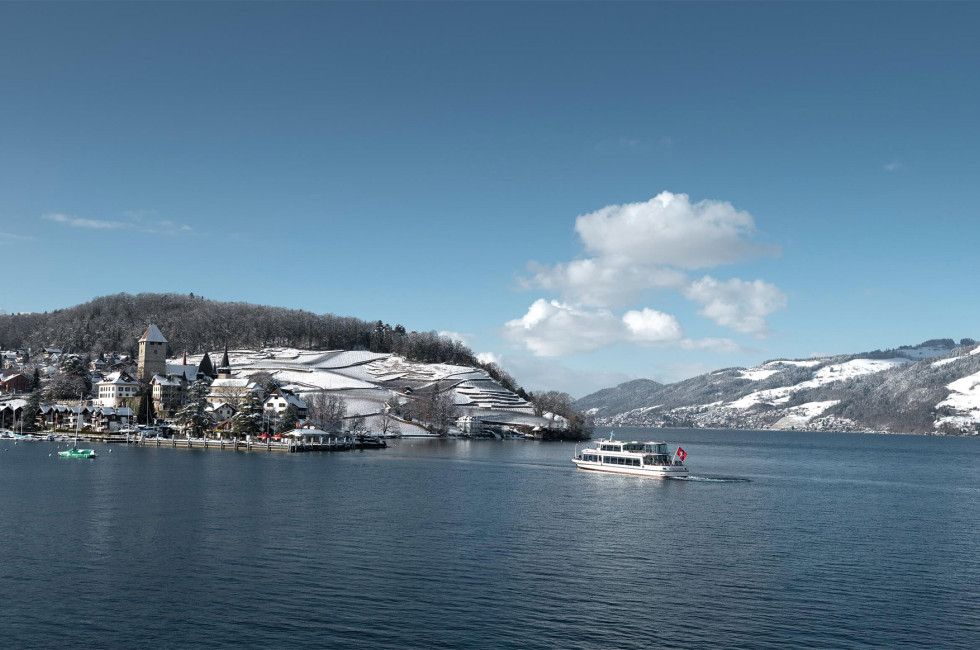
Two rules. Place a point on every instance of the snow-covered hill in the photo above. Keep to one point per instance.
(366, 380)
(933, 387)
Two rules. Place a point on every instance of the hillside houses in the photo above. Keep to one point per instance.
(250, 391)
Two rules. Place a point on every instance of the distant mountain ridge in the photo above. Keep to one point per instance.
(933, 387)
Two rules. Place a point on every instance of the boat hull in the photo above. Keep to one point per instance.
(655, 471)
(78, 453)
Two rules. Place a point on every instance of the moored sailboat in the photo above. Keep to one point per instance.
(74, 451)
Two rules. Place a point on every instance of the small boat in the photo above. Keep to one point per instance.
(74, 451)
(637, 458)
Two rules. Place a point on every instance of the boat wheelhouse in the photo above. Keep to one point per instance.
(638, 458)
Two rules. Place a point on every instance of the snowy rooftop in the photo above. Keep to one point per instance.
(153, 335)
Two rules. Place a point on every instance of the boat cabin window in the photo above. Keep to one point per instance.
(656, 447)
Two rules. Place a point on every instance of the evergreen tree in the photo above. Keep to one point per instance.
(145, 409)
(29, 414)
(289, 419)
(194, 415)
(247, 421)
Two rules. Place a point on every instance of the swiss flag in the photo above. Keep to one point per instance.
(681, 453)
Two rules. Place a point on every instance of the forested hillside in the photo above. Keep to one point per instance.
(195, 324)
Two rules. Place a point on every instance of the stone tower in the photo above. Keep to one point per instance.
(153, 354)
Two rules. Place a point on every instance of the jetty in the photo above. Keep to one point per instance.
(289, 444)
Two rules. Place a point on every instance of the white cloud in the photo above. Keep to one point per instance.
(7, 237)
(637, 248)
(138, 222)
(488, 357)
(892, 166)
(603, 282)
(737, 304)
(652, 326)
(76, 222)
(552, 329)
(670, 230)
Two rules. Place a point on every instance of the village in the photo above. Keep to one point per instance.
(170, 398)
(312, 398)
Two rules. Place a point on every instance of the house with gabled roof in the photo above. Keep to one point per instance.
(279, 400)
(17, 382)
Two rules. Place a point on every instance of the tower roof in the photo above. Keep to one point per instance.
(153, 335)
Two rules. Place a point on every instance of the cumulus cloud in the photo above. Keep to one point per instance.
(670, 230)
(552, 328)
(737, 304)
(603, 282)
(488, 357)
(139, 221)
(652, 326)
(637, 248)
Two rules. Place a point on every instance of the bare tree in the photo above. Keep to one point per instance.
(387, 420)
(328, 410)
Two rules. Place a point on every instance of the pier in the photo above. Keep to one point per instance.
(289, 446)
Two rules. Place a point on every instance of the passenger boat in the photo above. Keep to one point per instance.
(639, 458)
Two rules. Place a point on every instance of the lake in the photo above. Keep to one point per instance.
(778, 539)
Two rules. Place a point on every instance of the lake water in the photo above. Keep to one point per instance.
(779, 539)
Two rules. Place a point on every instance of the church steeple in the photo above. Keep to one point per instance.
(224, 370)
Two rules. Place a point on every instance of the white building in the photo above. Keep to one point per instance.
(278, 401)
(116, 387)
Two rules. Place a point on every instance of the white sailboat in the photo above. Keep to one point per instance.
(74, 451)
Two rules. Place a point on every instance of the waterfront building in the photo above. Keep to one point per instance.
(279, 400)
(116, 388)
(169, 394)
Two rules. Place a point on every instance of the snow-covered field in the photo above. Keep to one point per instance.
(964, 397)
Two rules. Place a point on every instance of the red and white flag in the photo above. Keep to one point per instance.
(681, 453)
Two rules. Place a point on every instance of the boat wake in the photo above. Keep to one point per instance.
(710, 479)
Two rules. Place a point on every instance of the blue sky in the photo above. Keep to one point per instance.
(589, 193)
